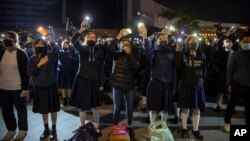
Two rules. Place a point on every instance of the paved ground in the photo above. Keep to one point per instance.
(210, 124)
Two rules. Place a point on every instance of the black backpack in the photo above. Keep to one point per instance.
(85, 133)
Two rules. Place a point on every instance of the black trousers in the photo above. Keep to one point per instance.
(9, 99)
(237, 92)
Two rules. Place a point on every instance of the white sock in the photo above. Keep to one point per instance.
(82, 115)
(144, 100)
(152, 116)
(196, 120)
(164, 116)
(178, 112)
(96, 117)
(184, 117)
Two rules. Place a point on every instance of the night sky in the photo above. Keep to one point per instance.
(224, 11)
(104, 13)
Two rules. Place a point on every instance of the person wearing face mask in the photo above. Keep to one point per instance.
(67, 62)
(192, 95)
(238, 79)
(28, 46)
(162, 78)
(90, 77)
(42, 70)
(13, 86)
(123, 77)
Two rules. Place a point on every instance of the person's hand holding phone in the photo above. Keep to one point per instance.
(142, 30)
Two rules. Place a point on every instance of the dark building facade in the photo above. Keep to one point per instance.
(30, 13)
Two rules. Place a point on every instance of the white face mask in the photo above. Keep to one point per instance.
(245, 46)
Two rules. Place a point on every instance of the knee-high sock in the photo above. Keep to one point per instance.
(152, 116)
(184, 116)
(82, 115)
(196, 120)
(144, 100)
(164, 116)
(96, 117)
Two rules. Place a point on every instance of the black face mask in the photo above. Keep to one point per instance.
(8, 43)
(90, 43)
(192, 46)
(40, 50)
(171, 42)
(65, 49)
(163, 44)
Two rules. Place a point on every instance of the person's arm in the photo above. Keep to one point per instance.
(102, 73)
(33, 66)
(24, 77)
(76, 37)
(147, 49)
(230, 66)
(113, 48)
(204, 67)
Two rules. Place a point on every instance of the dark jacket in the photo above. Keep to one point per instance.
(91, 61)
(46, 75)
(238, 68)
(125, 67)
(161, 63)
(192, 69)
(22, 61)
(68, 62)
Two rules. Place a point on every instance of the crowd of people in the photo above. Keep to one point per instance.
(174, 76)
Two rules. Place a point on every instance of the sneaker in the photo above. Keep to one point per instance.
(45, 134)
(9, 135)
(198, 135)
(98, 132)
(184, 133)
(218, 109)
(53, 135)
(21, 135)
(227, 127)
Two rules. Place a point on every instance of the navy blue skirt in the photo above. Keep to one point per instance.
(46, 100)
(192, 98)
(85, 94)
(65, 80)
(159, 96)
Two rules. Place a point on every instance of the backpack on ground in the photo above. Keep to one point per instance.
(85, 133)
(159, 131)
(119, 133)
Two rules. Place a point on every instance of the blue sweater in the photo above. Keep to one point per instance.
(161, 63)
(45, 76)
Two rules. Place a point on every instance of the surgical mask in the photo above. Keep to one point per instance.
(8, 43)
(90, 43)
(245, 46)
